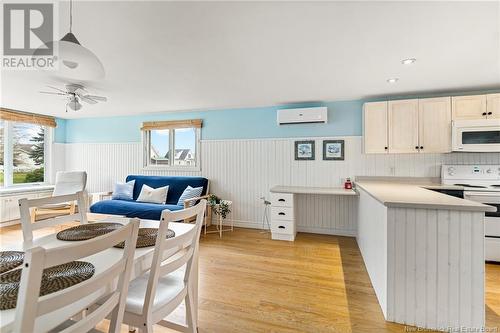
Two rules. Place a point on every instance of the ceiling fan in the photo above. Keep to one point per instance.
(74, 94)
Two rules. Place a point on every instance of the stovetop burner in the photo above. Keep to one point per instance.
(468, 185)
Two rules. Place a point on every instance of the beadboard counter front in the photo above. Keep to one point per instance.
(424, 253)
(392, 194)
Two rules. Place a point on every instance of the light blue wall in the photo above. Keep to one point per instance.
(344, 119)
(60, 131)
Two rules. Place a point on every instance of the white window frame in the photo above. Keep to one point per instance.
(146, 151)
(8, 157)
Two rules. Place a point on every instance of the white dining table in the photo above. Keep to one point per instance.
(104, 259)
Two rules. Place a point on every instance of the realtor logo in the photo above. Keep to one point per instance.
(28, 35)
(28, 27)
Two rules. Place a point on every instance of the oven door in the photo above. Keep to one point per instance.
(491, 223)
(476, 135)
(492, 219)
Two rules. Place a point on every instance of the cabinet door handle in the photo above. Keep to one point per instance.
(281, 200)
(386, 148)
(281, 227)
(421, 147)
(484, 113)
(490, 113)
(281, 213)
(416, 147)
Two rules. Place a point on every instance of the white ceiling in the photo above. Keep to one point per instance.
(174, 56)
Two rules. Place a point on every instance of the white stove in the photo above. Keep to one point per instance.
(480, 183)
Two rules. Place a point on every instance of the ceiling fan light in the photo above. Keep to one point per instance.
(74, 104)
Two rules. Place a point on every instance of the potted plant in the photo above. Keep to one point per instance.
(219, 206)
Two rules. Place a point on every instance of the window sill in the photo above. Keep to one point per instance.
(5, 191)
(171, 168)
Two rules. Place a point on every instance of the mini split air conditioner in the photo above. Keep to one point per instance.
(302, 115)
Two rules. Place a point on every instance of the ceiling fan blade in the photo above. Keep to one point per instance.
(63, 91)
(80, 91)
(51, 93)
(87, 99)
(97, 98)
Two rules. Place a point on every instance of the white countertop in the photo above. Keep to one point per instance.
(418, 195)
(312, 190)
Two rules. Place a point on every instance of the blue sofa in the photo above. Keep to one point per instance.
(150, 211)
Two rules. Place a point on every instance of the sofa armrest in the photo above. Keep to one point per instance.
(188, 201)
(208, 212)
(99, 196)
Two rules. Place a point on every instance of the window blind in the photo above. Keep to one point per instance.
(172, 124)
(25, 117)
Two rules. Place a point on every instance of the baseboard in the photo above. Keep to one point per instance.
(241, 224)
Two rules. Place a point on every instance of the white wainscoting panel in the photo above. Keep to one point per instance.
(435, 263)
(245, 170)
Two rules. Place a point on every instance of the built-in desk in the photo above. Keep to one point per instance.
(283, 207)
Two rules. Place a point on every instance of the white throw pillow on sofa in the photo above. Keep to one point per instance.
(153, 195)
(123, 191)
(189, 193)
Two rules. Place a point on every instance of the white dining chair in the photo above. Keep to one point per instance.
(67, 182)
(26, 205)
(153, 296)
(53, 312)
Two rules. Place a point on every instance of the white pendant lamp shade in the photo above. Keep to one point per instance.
(74, 61)
(77, 62)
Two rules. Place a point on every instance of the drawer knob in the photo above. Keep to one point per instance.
(281, 213)
(281, 227)
(281, 200)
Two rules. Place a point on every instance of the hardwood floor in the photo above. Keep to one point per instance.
(318, 283)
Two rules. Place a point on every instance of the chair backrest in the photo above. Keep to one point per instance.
(25, 206)
(109, 284)
(173, 253)
(68, 182)
(176, 185)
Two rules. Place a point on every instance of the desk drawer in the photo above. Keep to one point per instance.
(282, 213)
(282, 199)
(283, 227)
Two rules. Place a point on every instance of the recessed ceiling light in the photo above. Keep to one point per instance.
(408, 61)
(393, 80)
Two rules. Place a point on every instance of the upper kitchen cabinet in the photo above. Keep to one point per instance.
(375, 128)
(493, 106)
(469, 107)
(434, 123)
(408, 126)
(403, 126)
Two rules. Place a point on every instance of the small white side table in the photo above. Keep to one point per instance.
(218, 224)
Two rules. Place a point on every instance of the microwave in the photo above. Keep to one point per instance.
(482, 135)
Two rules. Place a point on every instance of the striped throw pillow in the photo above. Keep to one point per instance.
(189, 193)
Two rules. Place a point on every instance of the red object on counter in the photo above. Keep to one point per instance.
(348, 184)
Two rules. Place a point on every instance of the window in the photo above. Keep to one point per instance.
(23, 149)
(172, 144)
(28, 153)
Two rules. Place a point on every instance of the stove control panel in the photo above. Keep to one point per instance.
(471, 172)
